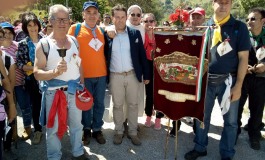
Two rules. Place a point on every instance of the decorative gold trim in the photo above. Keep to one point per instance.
(179, 67)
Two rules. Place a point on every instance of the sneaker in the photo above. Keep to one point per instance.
(157, 124)
(192, 155)
(117, 138)
(86, 136)
(26, 133)
(148, 122)
(254, 144)
(99, 137)
(135, 140)
(36, 137)
(82, 157)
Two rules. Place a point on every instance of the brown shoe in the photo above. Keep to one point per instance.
(26, 133)
(117, 138)
(86, 136)
(99, 137)
(36, 137)
(135, 140)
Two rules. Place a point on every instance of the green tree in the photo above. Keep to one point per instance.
(77, 6)
(248, 4)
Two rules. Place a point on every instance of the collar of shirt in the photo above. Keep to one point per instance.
(92, 29)
(125, 31)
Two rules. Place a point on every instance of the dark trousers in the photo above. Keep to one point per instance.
(2, 134)
(149, 91)
(254, 89)
(32, 88)
(8, 140)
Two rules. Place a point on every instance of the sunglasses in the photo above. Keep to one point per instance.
(150, 21)
(251, 19)
(138, 15)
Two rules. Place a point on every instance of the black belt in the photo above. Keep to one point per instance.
(62, 89)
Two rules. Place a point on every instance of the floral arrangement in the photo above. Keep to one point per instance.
(179, 17)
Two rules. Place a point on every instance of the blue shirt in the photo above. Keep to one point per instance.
(121, 60)
(238, 40)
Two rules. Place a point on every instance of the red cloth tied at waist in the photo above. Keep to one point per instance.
(59, 105)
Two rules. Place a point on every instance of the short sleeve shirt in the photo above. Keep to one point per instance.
(238, 38)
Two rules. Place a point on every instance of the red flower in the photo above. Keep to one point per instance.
(180, 16)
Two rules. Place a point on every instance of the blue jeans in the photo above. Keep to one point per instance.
(75, 128)
(228, 137)
(23, 100)
(93, 118)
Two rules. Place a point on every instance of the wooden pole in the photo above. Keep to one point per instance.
(176, 140)
(166, 144)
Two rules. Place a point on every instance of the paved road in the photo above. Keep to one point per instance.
(153, 143)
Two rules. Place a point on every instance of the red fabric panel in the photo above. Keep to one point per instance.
(177, 110)
(59, 105)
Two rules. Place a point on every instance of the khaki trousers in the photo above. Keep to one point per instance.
(125, 87)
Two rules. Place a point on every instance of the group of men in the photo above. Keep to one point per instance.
(122, 62)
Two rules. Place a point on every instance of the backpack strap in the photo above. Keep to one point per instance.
(102, 30)
(45, 47)
(75, 41)
(7, 62)
(77, 29)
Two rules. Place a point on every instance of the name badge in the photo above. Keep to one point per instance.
(76, 60)
(224, 48)
(260, 53)
(95, 44)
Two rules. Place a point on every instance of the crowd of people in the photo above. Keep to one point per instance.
(118, 53)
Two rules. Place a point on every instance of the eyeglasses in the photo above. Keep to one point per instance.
(64, 20)
(138, 15)
(150, 21)
(106, 17)
(251, 19)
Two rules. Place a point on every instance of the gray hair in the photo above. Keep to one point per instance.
(132, 7)
(55, 9)
(149, 15)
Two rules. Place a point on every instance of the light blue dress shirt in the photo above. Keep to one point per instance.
(121, 60)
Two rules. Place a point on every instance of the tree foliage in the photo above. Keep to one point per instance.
(248, 4)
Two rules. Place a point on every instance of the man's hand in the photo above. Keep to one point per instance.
(260, 68)
(146, 81)
(62, 66)
(235, 93)
(250, 69)
(110, 31)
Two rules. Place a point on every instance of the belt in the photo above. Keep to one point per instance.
(124, 73)
(62, 89)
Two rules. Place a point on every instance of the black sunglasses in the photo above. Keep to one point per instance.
(138, 15)
(251, 19)
(150, 21)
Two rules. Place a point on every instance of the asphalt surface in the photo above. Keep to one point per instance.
(155, 144)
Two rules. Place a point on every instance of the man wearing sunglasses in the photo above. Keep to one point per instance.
(254, 83)
(228, 57)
